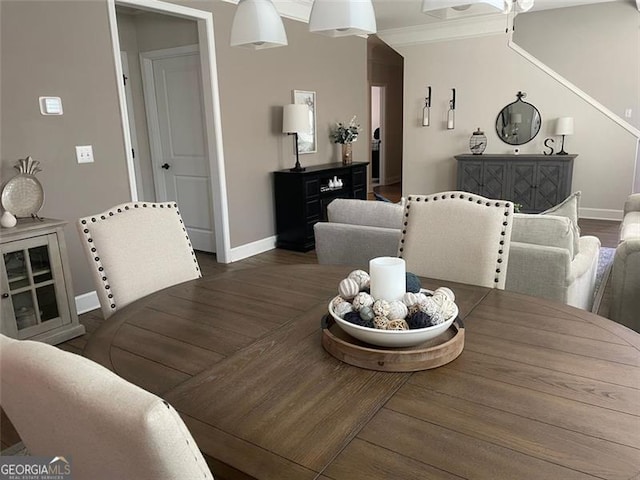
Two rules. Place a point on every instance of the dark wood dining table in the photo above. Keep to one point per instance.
(541, 390)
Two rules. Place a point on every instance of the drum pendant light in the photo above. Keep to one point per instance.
(257, 25)
(447, 9)
(340, 18)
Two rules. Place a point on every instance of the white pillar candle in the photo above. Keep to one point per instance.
(388, 278)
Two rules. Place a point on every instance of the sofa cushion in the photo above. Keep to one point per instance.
(365, 212)
(569, 208)
(630, 228)
(544, 230)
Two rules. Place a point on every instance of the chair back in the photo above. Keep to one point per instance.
(135, 249)
(62, 404)
(457, 236)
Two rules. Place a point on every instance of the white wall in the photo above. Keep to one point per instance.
(596, 47)
(487, 74)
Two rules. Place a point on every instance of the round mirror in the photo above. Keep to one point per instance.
(519, 122)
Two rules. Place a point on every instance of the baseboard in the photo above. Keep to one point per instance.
(87, 302)
(253, 248)
(601, 214)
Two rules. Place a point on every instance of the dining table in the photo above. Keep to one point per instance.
(541, 390)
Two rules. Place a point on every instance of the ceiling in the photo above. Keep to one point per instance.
(394, 14)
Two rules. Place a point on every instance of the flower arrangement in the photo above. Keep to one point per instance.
(346, 133)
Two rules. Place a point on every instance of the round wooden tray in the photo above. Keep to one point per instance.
(434, 353)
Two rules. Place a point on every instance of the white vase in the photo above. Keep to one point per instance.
(8, 220)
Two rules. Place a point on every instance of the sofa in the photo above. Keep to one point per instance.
(547, 258)
(625, 274)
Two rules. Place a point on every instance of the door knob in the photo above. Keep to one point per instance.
(166, 166)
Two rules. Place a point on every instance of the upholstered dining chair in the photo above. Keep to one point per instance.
(457, 236)
(65, 405)
(135, 249)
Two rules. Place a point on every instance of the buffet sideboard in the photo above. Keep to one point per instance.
(536, 182)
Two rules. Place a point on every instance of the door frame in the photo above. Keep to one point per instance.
(124, 57)
(211, 104)
(151, 107)
(382, 169)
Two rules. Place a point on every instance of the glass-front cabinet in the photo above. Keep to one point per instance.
(36, 294)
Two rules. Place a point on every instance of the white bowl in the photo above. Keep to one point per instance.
(393, 338)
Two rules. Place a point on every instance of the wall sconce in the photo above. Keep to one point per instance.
(426, 110)
(295, 119)
(451, 114)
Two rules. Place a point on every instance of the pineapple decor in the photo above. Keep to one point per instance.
(23, 195)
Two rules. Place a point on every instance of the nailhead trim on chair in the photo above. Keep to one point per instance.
(471, 198)
(98, 264)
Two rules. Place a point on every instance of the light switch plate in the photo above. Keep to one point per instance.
(84, 153)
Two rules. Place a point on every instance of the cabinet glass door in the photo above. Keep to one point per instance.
(30, 272)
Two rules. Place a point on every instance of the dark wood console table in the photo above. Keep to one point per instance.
(537, 182)
(302, 199)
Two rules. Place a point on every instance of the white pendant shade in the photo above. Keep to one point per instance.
(295, 118)
(257, 25)
(339, 18)
(521, 6)
(447, 9)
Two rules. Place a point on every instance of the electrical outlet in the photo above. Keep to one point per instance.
(628, 113)
(84, 153)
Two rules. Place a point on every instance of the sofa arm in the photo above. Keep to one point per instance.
(344, 244)
(625, 285)
(538, 270)
(582, 278)
(632, 204)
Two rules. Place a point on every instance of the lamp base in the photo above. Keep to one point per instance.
(297, 168)
(562, 152)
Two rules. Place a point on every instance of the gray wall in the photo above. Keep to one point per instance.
(596, 47)
(63, 48)
(487, 75)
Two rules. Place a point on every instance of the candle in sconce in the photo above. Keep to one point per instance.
(388, 278)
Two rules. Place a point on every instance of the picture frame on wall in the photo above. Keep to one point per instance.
(307, 141)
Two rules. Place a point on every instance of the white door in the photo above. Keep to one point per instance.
(173, 97)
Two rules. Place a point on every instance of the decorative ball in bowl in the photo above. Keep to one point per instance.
(393, 338)
(414, 318)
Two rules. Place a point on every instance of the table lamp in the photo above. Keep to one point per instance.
(564, 126)
(295, 119)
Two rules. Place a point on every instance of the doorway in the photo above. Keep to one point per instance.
(200, 192)
(377, 135)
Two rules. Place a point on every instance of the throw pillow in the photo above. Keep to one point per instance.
(569, 208)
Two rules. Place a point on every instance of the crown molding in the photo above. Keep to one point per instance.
(298, 10)
(446, 30)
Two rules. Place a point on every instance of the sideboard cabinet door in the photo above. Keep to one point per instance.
(535, 182)
(302, 199)
(37, 297)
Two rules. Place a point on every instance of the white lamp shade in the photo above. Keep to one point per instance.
(516, 118)
(339, 18)
(257, 25)
(564, 126)
(446, 9)
(295, 118)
